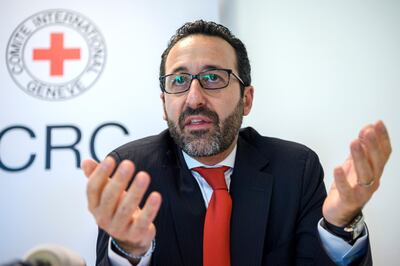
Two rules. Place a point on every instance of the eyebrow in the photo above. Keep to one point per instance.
(185, 69)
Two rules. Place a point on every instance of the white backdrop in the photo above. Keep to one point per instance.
(47, 204)
(322, 69)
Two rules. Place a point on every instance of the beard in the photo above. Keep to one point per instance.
(207, 142)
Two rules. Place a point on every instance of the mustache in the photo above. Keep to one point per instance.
(213, 116)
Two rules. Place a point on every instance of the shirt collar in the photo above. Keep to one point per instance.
(228, 161)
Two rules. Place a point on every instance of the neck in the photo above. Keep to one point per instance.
(214, 159)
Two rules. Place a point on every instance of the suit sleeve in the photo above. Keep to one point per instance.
(313, 196)
(102, 249)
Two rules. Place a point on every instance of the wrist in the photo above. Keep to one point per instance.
(134, 256)
(349, 232)
(343, 218)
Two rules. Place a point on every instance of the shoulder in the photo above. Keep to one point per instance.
(151, 148)
(275, 147)
(296, 167)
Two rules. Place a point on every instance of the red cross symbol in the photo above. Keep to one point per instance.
(57, 54)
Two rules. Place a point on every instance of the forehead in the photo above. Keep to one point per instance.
(198, 52)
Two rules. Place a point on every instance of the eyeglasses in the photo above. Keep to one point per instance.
(213, 79)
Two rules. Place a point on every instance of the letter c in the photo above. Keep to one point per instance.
(92, 140)
(31, 157)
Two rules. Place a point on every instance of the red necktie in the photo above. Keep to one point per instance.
(216, 239)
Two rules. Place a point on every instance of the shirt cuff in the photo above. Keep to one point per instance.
(118, 260)
(341, 252)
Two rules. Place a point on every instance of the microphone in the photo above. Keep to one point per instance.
(53, 255)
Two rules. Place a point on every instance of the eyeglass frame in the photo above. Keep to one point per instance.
(196, 76)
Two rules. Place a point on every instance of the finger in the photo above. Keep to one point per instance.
(130, 203)
(383, 138)
(374, 151)
(150, 209)
(97, 181)
(88, 166)
(347, 165)
(361, 163)
(341, 182)
(149, 212)
(364, 129)
(115, 187)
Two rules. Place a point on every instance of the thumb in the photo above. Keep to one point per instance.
(88, 166)
(341, 182)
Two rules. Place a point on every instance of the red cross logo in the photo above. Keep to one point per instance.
(57, 54)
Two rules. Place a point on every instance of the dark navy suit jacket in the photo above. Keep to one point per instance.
(277, 192)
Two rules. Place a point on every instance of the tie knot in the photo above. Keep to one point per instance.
(215, 177)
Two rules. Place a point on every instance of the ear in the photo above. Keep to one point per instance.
(248, 99)
(162, 97)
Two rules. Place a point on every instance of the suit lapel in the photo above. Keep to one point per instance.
(251, 190)
(188, 210)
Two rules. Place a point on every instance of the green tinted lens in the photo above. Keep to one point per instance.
(179, 79)
(210, 76)
(214, 79)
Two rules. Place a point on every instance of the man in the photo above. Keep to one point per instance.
(277, 211)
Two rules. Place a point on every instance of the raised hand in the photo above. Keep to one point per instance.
(116, 209)
(359, 176)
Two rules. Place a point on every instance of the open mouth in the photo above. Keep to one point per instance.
(198, 123)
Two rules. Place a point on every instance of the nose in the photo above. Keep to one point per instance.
(195, 96)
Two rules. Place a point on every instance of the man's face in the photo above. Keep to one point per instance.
(204, 122)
